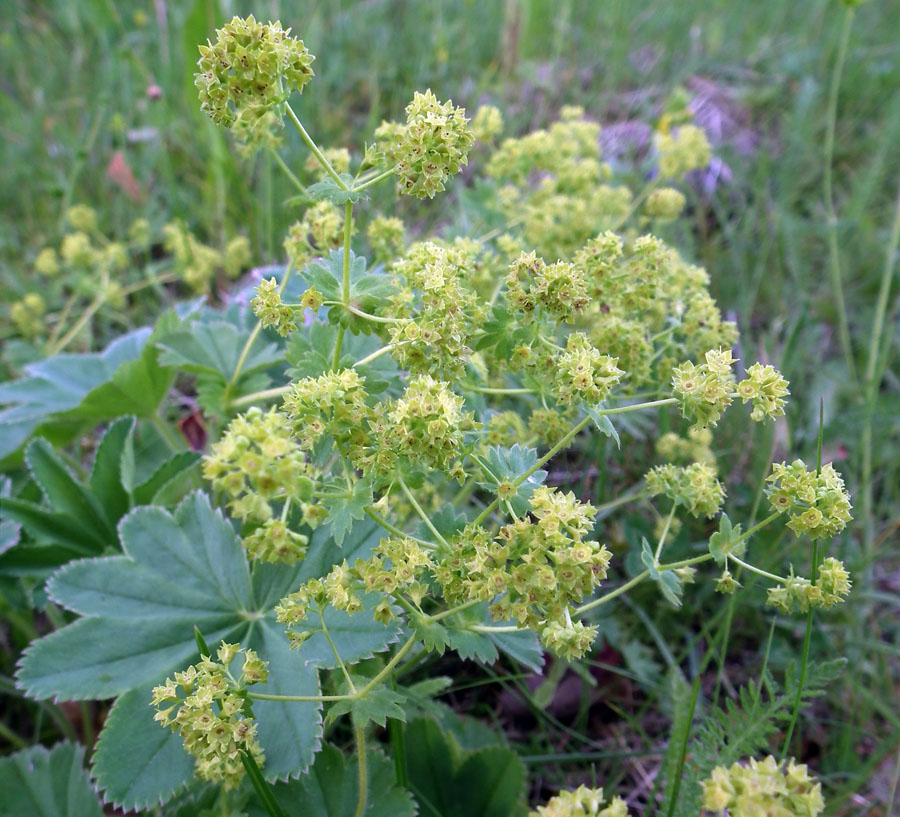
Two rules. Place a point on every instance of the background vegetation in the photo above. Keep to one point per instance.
(82, 83)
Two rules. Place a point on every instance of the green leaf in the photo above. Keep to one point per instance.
(435, 637)
(136, 387)
(64, 493)
(47, 783)
(331, 789)
(380, 702)
(726, 540)
(448, 782)
(112, 476)
(214, 347)
(329, 190)
(148, 492)
(508, 464)
(139, 611)
(49, 526)
(603, 423)
(368, 291)
(667, 580)
(56, 386)
(138, 764)
(342, 510)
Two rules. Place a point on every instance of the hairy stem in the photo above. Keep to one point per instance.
(360, 734)
(418, 509)
(315, 148)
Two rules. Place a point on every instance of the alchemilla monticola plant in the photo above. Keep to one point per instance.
(429, 382)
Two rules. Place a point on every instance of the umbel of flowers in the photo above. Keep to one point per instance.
(478, 353)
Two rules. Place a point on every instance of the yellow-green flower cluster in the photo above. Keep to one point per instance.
(680, 152)
(397, 565)
(427, 424)
(665, 204)
(315, 234)
(195, 262)
(28, 315)
(582, 802)
(248, 73)
(558, 289)
(82, 217)
(237, 256)
(333, 403)
(817, 504)
(209, 708)
(46, 263)
(386, 237)
(430, 148)
(554, 185)
(549, 425)
(487, 124)
(766, 388)
(77, 251)
(257, 461)
(274, 541)
(436, 337)
(831, 587)
(695, 447)
(623, 283)
(705, 391)
(271, 311)
(695, 486)
(584, 373)
(340, 589)
(763, 787)
(504, 428)
(538, 566)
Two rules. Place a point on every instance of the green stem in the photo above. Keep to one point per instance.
(452, 611)
(348, 230)
(612, 594)
(338, 345)
(374, 356)
(315, 148)
(487, 390)
(758, 571)
(373, 180)
(337, 655)
(353, 310)
(421, 513)
(833, 250)
(80, 323)
(696, 560)
(288, 172)
(168, 278)
(363, 772)
(61, 319)
(265, 394)
(665, 533)
(386, 670)
(265, 696)
(804, 664)
(376, 517)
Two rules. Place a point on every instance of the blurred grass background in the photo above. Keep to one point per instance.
(80, 81)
